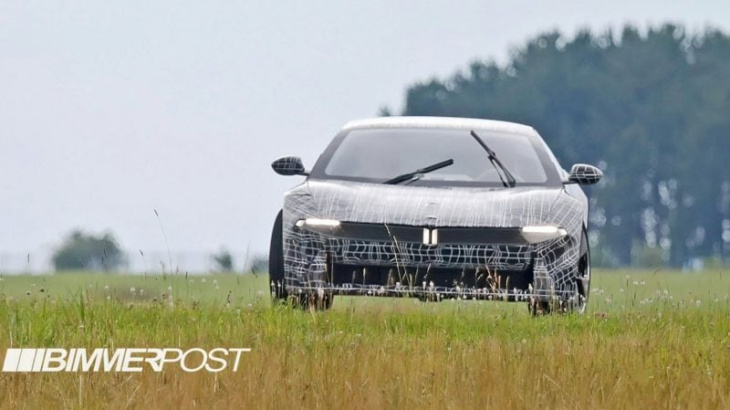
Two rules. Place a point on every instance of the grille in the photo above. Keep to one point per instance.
(356, 252)
(365, 276)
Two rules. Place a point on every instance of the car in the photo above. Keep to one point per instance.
(434, 208)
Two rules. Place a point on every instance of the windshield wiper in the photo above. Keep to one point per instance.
(510, 182)
(410, 175)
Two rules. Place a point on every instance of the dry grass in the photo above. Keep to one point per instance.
(649, 341)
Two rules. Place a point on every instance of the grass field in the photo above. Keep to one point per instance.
(649, 340)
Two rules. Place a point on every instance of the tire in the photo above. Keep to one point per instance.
(539, 307)
(315, 301)
(583, 280)
(276, 262)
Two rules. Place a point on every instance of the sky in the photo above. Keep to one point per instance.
(112, 110)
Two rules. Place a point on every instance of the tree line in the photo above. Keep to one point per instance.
(651, 108)
(80, 250)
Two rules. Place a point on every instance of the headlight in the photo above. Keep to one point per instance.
(534, 234)
(317, 223)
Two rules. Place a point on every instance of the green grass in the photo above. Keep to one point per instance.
(648, 340)
(208, 289)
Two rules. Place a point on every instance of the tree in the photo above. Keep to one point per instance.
(259, 263)
(80, 251)
(223, 261)
(649, 108)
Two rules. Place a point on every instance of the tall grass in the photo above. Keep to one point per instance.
(648, 341)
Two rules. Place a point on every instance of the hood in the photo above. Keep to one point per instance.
(422, 206)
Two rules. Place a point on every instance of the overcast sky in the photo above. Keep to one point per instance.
(109, 110)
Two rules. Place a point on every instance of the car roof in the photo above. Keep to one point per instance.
(439, 122)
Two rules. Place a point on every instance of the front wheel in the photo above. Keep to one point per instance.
(583, 278)
(582, 286)
(276, 262)
(315, 300)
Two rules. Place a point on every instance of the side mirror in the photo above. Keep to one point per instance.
(289, 166)
(584, 174)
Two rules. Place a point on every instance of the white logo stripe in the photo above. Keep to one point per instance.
(25, 364)
(11, 360)
(38, 359)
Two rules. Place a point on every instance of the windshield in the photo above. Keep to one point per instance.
(381, 154)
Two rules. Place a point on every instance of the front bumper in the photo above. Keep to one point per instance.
(466, 262)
